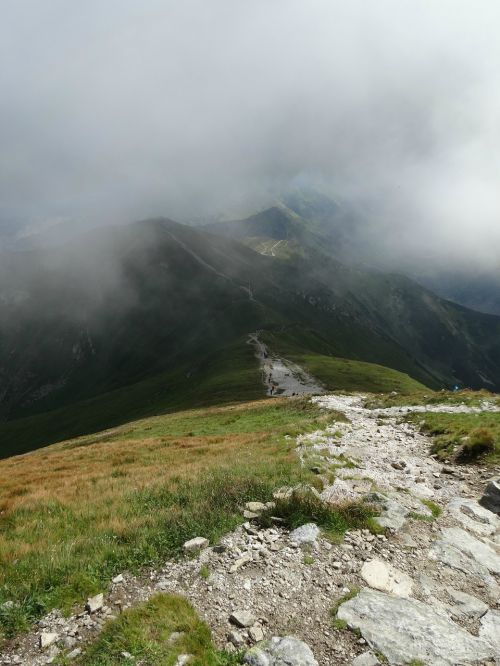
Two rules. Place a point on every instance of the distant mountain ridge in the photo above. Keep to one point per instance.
(121, 305)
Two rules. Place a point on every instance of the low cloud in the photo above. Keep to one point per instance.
(113, 111)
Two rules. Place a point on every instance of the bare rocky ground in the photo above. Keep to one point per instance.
(428, 586)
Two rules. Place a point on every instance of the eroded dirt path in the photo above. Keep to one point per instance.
(429, 586)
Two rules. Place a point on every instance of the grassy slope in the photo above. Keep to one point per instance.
(74, 514)
(339, 374)
(427, 397)
(452, 431)
(227, 377)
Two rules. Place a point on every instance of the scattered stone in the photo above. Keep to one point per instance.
(255, 507)
(236, 639)
(491, 498)
(407, 540)
(250, 515)
(406, 629)
(242, 618)
(256, 634)
(95, 604)
(240, 562)
(47, 639)
(118, 579)
(305, 534)
(383, 576)
(183, 659)
(366, 659)
(74, 654)
(278, 651)
(195, 545)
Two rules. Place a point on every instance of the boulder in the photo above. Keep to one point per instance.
(473, 516)
(47, 639)
(305, 534)
(277, 651)
(195, 545)
(407, 629)
(242, 618)
(491, 498)
(95, 604)
(383, 576)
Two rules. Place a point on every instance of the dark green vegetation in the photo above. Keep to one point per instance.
(144, 319)
(144, 633)
(75, 514)
(467, 437)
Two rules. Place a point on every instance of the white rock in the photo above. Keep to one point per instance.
(47, 639)
(236, 638)
(473, 516)
(196, 544)
(406, 629)
(255, 507)
(183, 659)
(118, 579)
(242, 618)
(74, 653)
(278, 651)
(95, 604)
(466, 605)
(383, 576)
(366, 659)
(305, 534)
(490, 629)
(256, 634)
(240, 563)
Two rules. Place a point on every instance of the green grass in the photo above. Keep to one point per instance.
(469, 437)
(427, 397)
(144, 632)
(335, 520)
(69, 522)
(435, 509)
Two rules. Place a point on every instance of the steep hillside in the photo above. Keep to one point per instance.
(156, 315)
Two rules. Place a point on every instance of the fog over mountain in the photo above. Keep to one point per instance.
(121, 110)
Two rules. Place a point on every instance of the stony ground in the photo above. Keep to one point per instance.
(429, 585)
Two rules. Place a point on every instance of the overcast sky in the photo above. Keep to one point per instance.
(120, 109)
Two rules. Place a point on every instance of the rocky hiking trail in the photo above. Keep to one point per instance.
(426, 591)
(281, 377)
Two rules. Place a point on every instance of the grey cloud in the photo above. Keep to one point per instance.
(115, 110)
